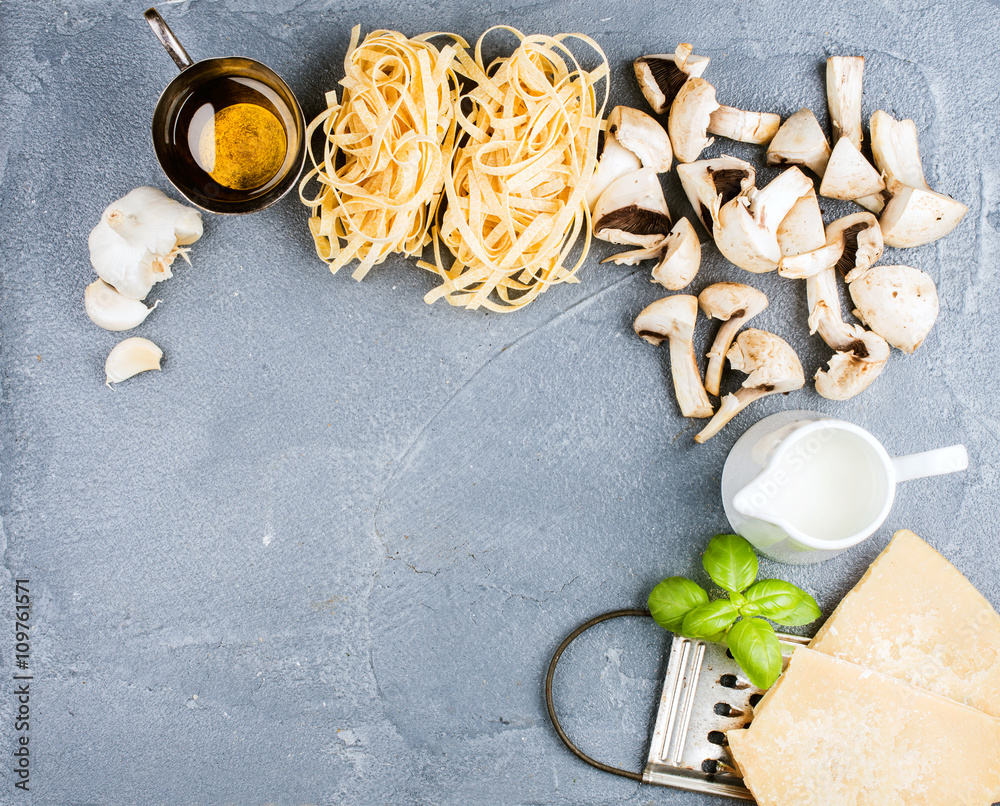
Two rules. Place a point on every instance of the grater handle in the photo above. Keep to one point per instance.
(550, 703)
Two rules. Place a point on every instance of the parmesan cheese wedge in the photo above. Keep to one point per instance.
(914, 616)
(831, 732)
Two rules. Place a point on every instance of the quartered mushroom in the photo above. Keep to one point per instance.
(709, 184)
(800, 141)
(734, 304)
(772, 368)
(674, 318)
(678, 257)
(615, 162)
(802, 229)
(899, 303)
(632, 210)
(661, 75)
(914, 216)
(746, 227)
(643, 136)
(849, 175)
(690, 116)
(851, 242)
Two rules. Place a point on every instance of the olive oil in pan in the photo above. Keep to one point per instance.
(230, 138)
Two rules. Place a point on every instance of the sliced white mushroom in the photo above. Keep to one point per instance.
(843, 96)
(747, 127)
(690, 115)
(709, 184)
(772, 368)
(643, 136)
(860, 355)
(849, 175)
(800, 141)
(914, 216)
(734, 304)
(680, 257)
(615, 162)
(746, 229)
(851, 372)
(674, 318)
(851, 242)
(661, 75)
(632, 210)
(899, 303)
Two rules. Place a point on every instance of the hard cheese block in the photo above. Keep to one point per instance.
(830, 732)
(914, 616)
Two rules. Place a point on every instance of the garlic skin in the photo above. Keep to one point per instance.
(138, 238)
(130, 357)
(112, 311)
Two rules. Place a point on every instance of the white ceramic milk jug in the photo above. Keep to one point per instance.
(803, 487)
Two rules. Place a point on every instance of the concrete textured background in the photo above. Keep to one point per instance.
(325, 555)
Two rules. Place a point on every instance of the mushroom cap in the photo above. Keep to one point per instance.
(643, 136)
(899, 303)
(615, 162)
(671, 317)
(848, 174)
(915, 216)
(769, 361)
(725, 300)
(632, 210)
(680, 257)
(800, 141)
(690, 114)
(714, 182)
(661, 75)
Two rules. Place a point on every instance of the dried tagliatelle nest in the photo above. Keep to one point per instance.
(517, 182)
(386, 148)
(511, 158)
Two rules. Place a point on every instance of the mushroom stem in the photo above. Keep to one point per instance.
(734, 304)
(843, 95)
(747, 127)
(732, 404)
(674, 318)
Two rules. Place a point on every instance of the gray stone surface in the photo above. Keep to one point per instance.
(324, 556)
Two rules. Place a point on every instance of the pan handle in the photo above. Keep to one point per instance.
(550, 704)
(170, 42)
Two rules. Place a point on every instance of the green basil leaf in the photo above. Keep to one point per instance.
(782, 602)
(731, 562)
(709, 622)
(756, 649)
(673, 599)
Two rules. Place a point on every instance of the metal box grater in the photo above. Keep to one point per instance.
(705, 693)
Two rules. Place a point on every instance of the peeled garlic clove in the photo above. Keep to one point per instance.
(130, 357)
(112, 311)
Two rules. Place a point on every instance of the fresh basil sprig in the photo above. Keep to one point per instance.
(682, 606)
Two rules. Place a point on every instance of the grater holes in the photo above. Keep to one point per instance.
(754, 699)
(732, 681)
(710, 765)
(729, 654)
(718, 737)
(725, 709)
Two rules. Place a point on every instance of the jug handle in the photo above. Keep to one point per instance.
(170, 42)
(931, 463)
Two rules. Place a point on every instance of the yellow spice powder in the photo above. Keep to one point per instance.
(244, 148)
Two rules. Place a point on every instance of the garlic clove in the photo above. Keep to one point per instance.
(130, 357)
(111, 310)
